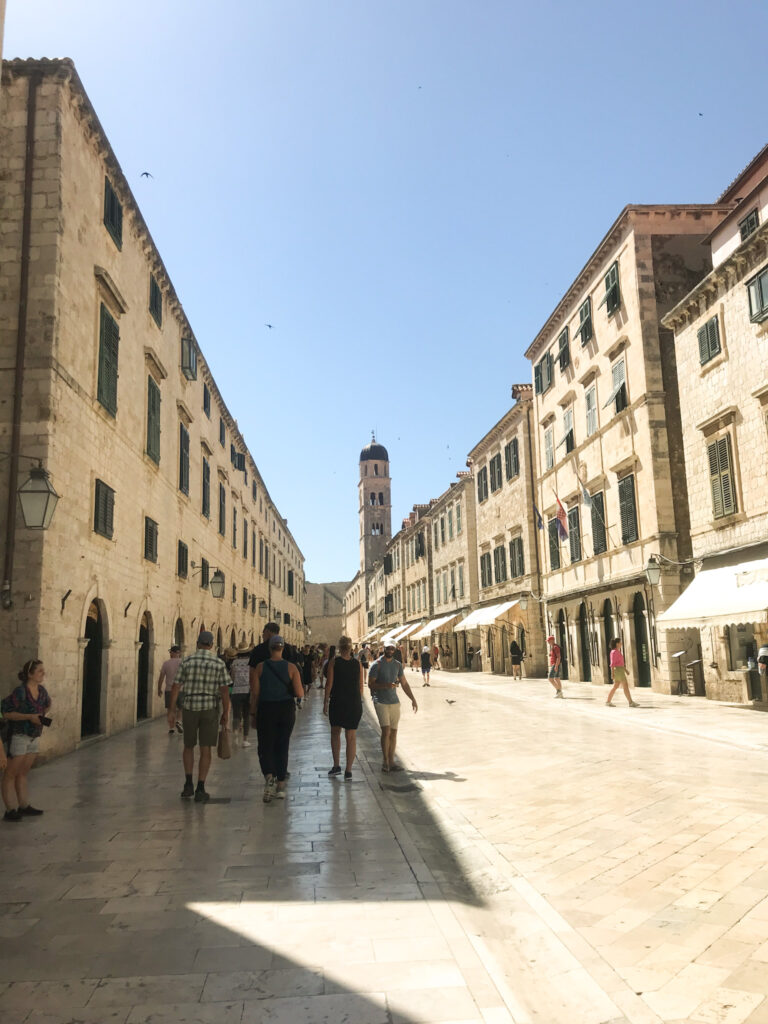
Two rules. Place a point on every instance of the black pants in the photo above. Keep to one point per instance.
(241, 712)
(274, 725)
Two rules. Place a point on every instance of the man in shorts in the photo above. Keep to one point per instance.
(167, 675)
(555, 660)
(383, 679)
(206, 682)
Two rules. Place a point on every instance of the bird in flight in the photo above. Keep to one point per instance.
(270, 326)
(146, 174)
(449, 701)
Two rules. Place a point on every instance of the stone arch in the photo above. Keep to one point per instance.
(94, 644)
(145, 649)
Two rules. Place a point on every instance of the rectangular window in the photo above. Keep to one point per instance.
(516, 558)
(182, 560)
(549, 448)
(245, 538)
(109, 342)
(563, 350)
(495, 465)
(222, 510)
(222, 433)
(500, 564)
(245, 598)
(461, 581)
(584, 330)
(207, 400)
(709, 340)
(599, 532)
(511, 459)
(104, 509)
(189, 358)
(153, 420)
(183, 459)
(482, 484)
(554, 545)
(442, 529)
(458, 518)
(253, 548)
(445, 586)
(234, 593)
(486, 575)
(618, 395)
(749, 224)
(150, 539)
(452, 591)
(234, 527)
(113, 214)
(757, 289)
(206, 502)
(205, 572)
(155, 300)
(574, 533)
(542, 374)
(450, 524)
(290, 583)
(591, 399)
(612, 298)
(567, 439)
(254, 490)
(721, 477)
(627, 509)
(266, 560)
(436, 536)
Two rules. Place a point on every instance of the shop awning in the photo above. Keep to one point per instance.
(372, 633)
(408, 631)
(433, 625)
(484, 616)
(399, 633)
(729, 596)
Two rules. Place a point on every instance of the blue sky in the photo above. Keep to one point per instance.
(404, 189)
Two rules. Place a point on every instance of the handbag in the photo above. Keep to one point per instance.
(223, 747)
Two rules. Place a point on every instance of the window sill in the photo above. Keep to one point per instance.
(149, 461)
(713, 363)
(725, 521)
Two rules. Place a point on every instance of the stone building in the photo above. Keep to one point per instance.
(103, 381)
(721, 345)
(611, 467)
(505, 554)
(324, 611)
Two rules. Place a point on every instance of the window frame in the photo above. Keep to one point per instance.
(103, 509)
(543, 374)
(612, 298)
(618, 395)
(708, 337)
(628, 516)
(757, 286)
(516, 558)
(482, 484)
(109, 361)
(569, 437)
(553, 538)
(592, 423)
(113, 213)
(151, 531)
(512, 459)
(205, 495)
(563, 350)
(721, 467)
(495, 472)
(599, 527)
(183, 458)
(154, 406)
(155, 300)
(574, 534)
(585, 328)
(206, 400)
(749, 224)
(182, 560)
(549, 447)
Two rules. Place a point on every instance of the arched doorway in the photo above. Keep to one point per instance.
(586, 665)
(608, 635)
(178, 634)
(219, 644)
(233, 639)
(562, 639)
(504, 648)
(144, 666)
(641, 642)
(90, 714)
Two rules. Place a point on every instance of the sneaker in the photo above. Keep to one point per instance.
(559, 693)
(179, 727)
(608, 704)
(246, 743)
(347, 776)
(336, 770)
(171, 732)
(202, 796)
(633, 705)
(12, 815)
(279, 793)
(269, 789)
(30, 811)
(188, 792)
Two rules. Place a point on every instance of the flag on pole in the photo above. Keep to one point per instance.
(539, 520)
(585, 497)
(562, 521)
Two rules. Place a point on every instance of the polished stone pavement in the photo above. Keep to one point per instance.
(541, 860)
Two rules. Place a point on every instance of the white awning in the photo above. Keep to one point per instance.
(408, 630)
(728, 596)
(372, 633)
(433, 625)
(399, 632)
(484, 616)
(392, 634)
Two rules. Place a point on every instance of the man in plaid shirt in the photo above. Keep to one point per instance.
(205, 680)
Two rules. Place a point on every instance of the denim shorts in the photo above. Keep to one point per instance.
(22, 744)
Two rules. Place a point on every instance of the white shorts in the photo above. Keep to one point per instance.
(387, 714)
(22, 744)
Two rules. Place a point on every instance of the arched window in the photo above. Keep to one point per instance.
(381, 497)
(375, 469)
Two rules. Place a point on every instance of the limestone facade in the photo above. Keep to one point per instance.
(157, 486)
(324, 611)
(721, 345)
(609, 442)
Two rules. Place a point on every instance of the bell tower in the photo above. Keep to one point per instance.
(375, 499)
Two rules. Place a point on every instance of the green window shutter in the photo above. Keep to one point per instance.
(721, 477)
(113, 214)
(206, 489)
(515, 458)
(109, 339)
(155, 301)
(701, 334)
(574, 533)
(714, 479)
(222, 511)
(508, 461)
(564, 351)
(520, 557)
(183, 459)
(713, 337)
(627, 509)
(150, 539)
(537, 379)
(153, 420)
(554, 545)
(599, 536)
(103, 513)
(182, 560)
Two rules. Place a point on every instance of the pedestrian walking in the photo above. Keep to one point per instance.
(205, 681)
(239, 673)
(344, 705)
(26, 711)
(308, 668)
(516, 659)
(555, 661)
(618, 674)
(414, 660)
(275, 686)
(365, 661)
(168, 671)
(426, 665)
(384, 677)
(436, 657)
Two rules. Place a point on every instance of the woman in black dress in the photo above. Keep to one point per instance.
(515, 659)
(344, 704)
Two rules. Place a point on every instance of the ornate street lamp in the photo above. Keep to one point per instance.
(653, 571)
(263, 608)
(38, 499)
(217, 585)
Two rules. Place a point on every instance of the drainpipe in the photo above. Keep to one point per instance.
(535, 527)
(21, 343)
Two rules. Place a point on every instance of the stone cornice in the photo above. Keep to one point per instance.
(497, 431)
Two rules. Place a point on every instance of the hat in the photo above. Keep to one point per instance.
(390, 643)
(175, 648)
(550, 639)
(205, 638)
(276, 641)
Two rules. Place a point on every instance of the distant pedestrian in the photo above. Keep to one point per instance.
(344, 705)
(275, 685)
(168, 671)
(436, 657)
(26, 711)
(426, 665)
(239, 673)
(414, 660)
(205, 681)
(618, 674)
(308, 668)
(555, 661)
(516, 659)
(384, 677)
(365, 661)
(326, 662)
(399, 654)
